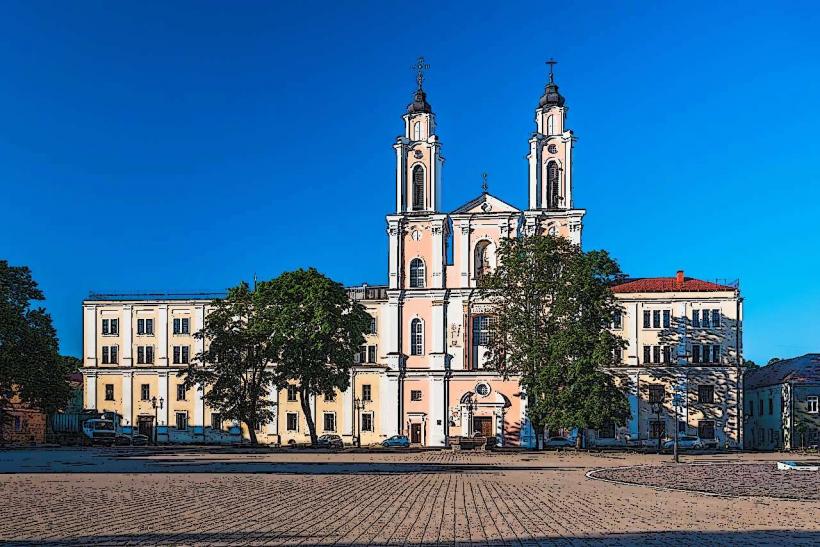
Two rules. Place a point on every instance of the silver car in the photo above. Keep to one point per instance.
(685, 442)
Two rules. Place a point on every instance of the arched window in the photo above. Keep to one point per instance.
(417, 131)
(482, 259)
(416, 273)
(550, 126)
(418, 188)
(553, 177)
(416, 337)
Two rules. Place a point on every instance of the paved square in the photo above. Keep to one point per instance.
(225, 497)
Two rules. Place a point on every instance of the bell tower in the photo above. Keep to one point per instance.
(550, 169)
(418, 155)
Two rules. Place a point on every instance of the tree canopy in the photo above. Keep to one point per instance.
(31, 367)
(316, 332)
(553, 308)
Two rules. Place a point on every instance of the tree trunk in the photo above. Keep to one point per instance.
(305, 402)
(252, 432)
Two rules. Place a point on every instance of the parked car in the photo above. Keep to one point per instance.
(400, 441)
(99, 431)
(139, 440)
(685, 442)
(559, 442)
(330, 441)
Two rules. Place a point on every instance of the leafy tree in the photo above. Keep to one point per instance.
(316, 330)
(773, 360)
(31, 368)
(749, 364)
(553, 309)
(232, 369)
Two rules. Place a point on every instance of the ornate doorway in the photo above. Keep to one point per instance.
(415, 433)
(483, 425)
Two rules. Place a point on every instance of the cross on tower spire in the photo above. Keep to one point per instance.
(552, 62)
(420, 67)
(484, 182)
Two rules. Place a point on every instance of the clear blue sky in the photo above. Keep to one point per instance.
(184, 146)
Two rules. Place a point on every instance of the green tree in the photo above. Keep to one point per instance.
(773, 360)
(553, 308)
(233, 368)
(316, 331)
(31, 367)
(749, 364)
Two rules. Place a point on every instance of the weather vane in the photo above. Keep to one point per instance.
(420, 67)
(552, 62)
(484, 182)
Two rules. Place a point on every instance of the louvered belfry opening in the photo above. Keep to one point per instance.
(418, 188)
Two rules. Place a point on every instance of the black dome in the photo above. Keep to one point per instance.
(419, 103)
(551, 97)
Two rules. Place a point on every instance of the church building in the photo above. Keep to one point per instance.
(421, 372)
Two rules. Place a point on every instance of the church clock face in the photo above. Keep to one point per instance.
(552, 149)
(416, 235)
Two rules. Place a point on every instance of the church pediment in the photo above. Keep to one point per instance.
(486, 203)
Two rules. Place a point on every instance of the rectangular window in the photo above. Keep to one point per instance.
(371, 354)
(145, 326)
(415, 395)
(18, 424)
(181, 392)
(706, 394)
(761, 407)
(182, 325)
(704, 319)
(751, 408)
(185, 354)
(367, 421)
(682, 427)
(695, 353)
(291, 393)
(366, 392)
(619, 355)
(292, 421)
(715, 319)
(646, 316)
(182, 420)
(216, 421)
(706, 429)
(656, 319)
(696, 318)
(656, 394)
(177, 354)
(362, 354)
(140, 355)
(716, 354)
(667, 318)
(145, 392)
(114, 356)
(481, 330)
(656, 354)
(706, 353)
(667, 354)
(647, 354)
(109, 392)
(656, 429)
(330, 398)
(106, 328)
(771, 406)
(330, 421)
(105, 355)
(372, 329)
(149, 355)
(181, 355)
(111, 326)
(812, 404)
(617, 319)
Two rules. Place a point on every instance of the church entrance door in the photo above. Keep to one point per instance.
(483, 425)
(415, 433)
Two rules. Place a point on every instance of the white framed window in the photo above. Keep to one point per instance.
(145, 327)
(372, 329)
(145, 392)
(367, 421)
(416, 337)
(417, 131)
(812, 404)
(182, 325)
(291, 393)
(110, 327)
(618, 320)
(110, 355)
(706, 318)
(145, 355)
(182, 392)
(366, 393)
(182, 420)
(181, 355)
(417, 277)
(550, 126)
(292, 421)
(330, 422)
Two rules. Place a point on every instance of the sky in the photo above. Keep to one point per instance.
(186, 146)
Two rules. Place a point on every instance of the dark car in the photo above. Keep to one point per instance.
(136, 439)
(330, 441)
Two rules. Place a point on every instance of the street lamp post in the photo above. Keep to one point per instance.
(358, 406)
(656, 407)
(677, 400)
(157, 405)
(471, 407)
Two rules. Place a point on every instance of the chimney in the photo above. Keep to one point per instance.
(679, 279)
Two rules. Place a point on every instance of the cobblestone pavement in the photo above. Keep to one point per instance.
(741, 479)
(186, 497)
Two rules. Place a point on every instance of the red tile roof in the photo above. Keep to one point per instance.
(669, 284)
